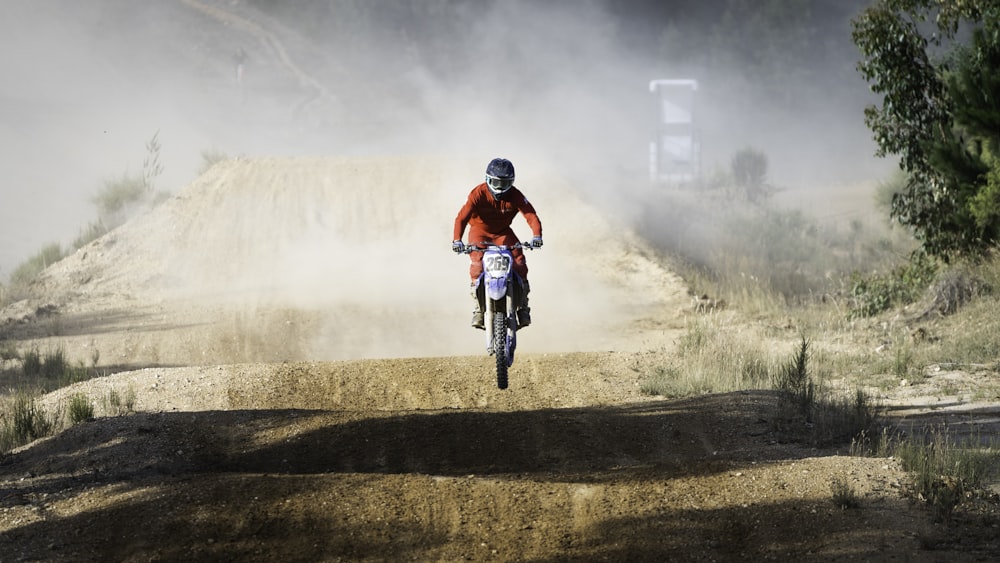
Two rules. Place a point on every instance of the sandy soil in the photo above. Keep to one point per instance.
(306, 388)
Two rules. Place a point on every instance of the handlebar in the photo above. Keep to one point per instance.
(470, 248)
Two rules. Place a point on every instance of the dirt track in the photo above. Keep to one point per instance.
(267, 283)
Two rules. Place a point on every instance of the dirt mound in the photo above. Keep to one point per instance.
(338, 258)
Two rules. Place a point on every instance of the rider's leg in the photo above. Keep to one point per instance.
(521, 269)
(475, 266)
(523, 310)
(477, 311)
(520, 264)
(475, 270)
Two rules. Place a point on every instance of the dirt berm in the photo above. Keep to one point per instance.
(294, 331)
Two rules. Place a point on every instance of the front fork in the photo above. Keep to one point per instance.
(489, 310)
(488, 313)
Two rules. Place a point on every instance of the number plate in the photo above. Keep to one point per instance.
(496, 264)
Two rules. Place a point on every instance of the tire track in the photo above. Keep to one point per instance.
(273, 45)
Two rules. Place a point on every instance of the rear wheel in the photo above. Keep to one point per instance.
(500, 347)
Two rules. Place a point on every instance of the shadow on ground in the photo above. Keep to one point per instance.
(664, 438)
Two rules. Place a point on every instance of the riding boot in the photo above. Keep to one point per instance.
(523, 310)
(477, 311)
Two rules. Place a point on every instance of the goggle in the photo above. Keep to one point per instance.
(499, 185)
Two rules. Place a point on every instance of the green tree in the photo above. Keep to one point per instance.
(939, 115)
(975, 159)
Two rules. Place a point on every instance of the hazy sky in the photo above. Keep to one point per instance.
(72, 119)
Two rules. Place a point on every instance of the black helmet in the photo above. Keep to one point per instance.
(499, 176)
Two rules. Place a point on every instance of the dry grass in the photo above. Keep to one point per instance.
(788, 277)
(843, 360)
(714, 356)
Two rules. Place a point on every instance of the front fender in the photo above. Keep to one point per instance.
(496, 288)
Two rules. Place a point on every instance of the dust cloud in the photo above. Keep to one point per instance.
(559, 87)
(330, 242)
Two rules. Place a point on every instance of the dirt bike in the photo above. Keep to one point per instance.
(498, 291)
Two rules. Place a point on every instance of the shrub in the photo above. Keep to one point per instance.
(117, 405)
(54, 364)
(118, 196)
(749, 170)
(130, 398)
(121, 197)
(29, 270)
(91, 233)
(844, 496)
(26, 423)
(73, 374)
(80, 408)
(876, 293)
(945, 470)
(794, 384)
(663, 382)
(210, 158)
(53, 367)
(823, 420)
(953, 289)
(839, 420)
(31, 364)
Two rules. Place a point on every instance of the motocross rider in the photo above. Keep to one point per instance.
(488, 212)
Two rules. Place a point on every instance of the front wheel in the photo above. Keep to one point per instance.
(500, 347)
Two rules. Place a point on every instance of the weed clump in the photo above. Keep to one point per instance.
(844, 495)
(52, 368)
(795, 386)
(877, 293)
(54, 364)
(946, 471)
(80, 408)
(26, 423)
(804, 414)
(115, 404)
(26, 272)
(952, 290)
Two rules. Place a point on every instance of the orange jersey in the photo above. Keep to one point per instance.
(487, 215)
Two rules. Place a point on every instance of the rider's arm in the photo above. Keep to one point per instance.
(528, 211)
(463, 218)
